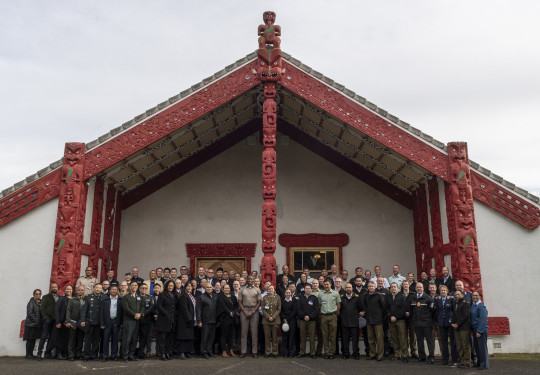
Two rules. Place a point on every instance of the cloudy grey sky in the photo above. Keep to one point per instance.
(458, 70)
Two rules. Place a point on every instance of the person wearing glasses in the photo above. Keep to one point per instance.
(32, 324)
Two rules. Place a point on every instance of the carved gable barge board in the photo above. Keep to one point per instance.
(173, 118)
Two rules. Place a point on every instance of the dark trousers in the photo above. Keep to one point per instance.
(163, 342)
(129, 337)
(366, 340)
(75, 345)
(386, 337)
(110, 332)
(339, 339)
(421, 334)
(480, 346)
(347, 334)
(61, 338)
(150, 337)
(289, 338)
(91, 341)
(30, 345)
(48, 326)
(144, 330)
(448, 333)
(197, 343)
(227, 328)
(260, 330)
(208, 332)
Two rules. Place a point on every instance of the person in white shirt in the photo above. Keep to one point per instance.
(378, 270)
(396, 277)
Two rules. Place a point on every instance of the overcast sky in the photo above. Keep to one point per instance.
(458, 70)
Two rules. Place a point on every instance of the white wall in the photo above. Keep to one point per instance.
(26, 249)
(220, 201)
(509, 258)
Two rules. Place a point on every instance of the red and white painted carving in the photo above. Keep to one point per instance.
(70, 217)
(466, 246)
(269, 71)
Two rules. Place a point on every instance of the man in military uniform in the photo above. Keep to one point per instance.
(145, 322)
(73, 315)
(90, 322)
(330, 303)
(87, 281)
(133, 307)
(443, 305)
(351, 305)
(421, 310)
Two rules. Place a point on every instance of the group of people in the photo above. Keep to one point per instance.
(236, 314)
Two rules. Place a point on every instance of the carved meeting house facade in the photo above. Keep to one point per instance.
(195, 180)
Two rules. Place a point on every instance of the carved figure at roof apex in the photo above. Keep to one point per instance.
(269, 33)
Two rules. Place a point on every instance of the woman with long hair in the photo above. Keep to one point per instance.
(164, 322)
(227, 311)
(185, 322)
(32, 324)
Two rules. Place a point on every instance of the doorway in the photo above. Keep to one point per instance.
(236, 264)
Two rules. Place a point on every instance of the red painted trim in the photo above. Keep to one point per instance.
(116, 238)
(392, 136)
(29, 197)
(498, 326)
(504, 201)
(346, 164)
(180, 114)
(189, 164)
(339, 240)
(220, 250)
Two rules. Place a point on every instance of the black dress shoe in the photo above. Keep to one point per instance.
(255, 356)
(379, 359)
(431, 361)
(330, 357)
(48, 356)
(103, 359)
(60, 357)
(345, 357)
(299, 356)
(266, 355)
(38, 357)
(405, 360)
(326, 357)
(71, 358)
(163, 358)
(115, 359)
(368, 358)
(132, 359)
(187, 355)
(242, 355)
(314, 356)
(444, 362)
(357, 357)
(214, 355)
(420, 360)
(393, 359)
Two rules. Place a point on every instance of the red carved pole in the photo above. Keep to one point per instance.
(465, 249)
(269, 72)
(70, 218)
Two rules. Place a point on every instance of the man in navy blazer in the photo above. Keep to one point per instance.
(110, 320)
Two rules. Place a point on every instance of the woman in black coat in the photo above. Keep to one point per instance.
(185, 322)
(165, 318)
(227, 310)
(61, 332)
(32, 324)
(289, 310)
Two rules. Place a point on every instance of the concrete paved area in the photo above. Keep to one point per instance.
(501, 364)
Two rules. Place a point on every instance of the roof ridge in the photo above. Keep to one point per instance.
(307, 69)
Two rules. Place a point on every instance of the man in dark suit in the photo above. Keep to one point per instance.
(351, 305)
(206, 320)
(285, 270)
(110, 320)
(90, 322)
(421, 310)
(73, 315)
(48, 303)
(111, 279)
(448, 280)
(133, 308)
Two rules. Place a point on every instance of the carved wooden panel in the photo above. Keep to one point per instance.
(220, 250)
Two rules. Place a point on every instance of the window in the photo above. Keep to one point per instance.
(314, 258)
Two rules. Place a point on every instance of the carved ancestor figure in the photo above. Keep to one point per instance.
(269, 33)
(270, 64)
(466, 247)
(268, 269)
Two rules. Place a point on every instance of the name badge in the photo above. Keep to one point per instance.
(138, 298)
(310, 303)
(302, 289)
(266, 307)
(88, 287)
(323, 302)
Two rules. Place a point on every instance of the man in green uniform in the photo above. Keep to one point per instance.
(330, 303)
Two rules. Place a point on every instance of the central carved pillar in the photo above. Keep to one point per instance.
(269, 72)
(70, 218)
(465, 262)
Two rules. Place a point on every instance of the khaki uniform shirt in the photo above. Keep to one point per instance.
(88, 283)
(271, 307)
(328, 301)
(249, 296)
